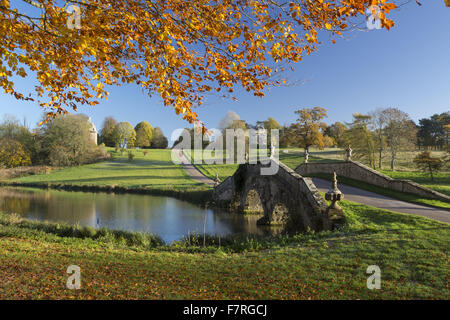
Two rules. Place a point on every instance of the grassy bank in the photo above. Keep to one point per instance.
(440, 184)
(154, 170)
(152, 173)
(411, 252)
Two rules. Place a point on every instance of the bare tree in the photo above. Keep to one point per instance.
(378, 122)
(361, 139)
(400, 132)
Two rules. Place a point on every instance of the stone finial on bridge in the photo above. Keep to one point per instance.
(348, 152)
(272, 151)
(217, 180)
(334, 215)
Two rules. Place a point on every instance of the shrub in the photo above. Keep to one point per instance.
(18, 172)
(130, 156)
(14, 218)
(12, 154)
(67, 141)
(60, 157)
(96, 153)
(428, 164)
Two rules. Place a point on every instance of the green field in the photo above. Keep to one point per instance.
(403, 162)
(441, 181)
(291, 157)
(154, 170)
(411, 251)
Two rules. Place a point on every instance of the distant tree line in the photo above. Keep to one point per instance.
(122, 135)
(70, 140)
(434, 132)
(371, 135)
(388, 130)
(65, 141)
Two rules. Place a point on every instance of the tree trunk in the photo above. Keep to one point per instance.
(392, 161)
(431, 173)
(381, 156)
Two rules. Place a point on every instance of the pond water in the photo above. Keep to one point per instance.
(169, 218)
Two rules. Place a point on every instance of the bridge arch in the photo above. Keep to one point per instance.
(286, 198)
(252, 202)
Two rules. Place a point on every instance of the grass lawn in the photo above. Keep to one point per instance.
(155, 170)
(295, 157)
(411, 251)
(292, 158)
(223, 170)
(315, 154)
(441, 181)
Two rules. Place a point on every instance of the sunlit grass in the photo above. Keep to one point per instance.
(291, 157)
(154, 169)
(441, 181)
(411, 251)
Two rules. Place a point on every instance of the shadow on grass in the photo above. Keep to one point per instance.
(138, 162)
(130, 167)
(118, 179)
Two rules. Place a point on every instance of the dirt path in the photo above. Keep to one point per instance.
(383, 202)
(192, 171)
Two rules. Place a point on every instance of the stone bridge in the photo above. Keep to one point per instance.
(285, 198)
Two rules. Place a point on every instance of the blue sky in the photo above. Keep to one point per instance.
(407, 67)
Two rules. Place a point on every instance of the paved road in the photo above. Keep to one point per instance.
(193, 172)
(383, 202)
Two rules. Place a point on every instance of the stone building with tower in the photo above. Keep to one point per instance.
(93, 133)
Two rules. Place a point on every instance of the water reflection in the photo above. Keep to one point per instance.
(167, 217)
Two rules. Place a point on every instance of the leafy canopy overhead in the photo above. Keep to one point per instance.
(181, 50)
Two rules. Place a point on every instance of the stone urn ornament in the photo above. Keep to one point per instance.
(334, 215)
(272, 151)
(306, 156)
(217, 181)
(349, 153)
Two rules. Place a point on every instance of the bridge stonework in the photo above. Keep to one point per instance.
(357, 171)
(286, 198)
